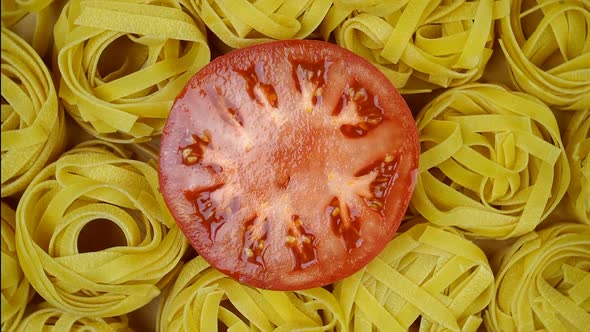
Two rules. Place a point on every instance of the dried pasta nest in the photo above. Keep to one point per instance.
(419, 45)
(204, 299)
(577, 140)
(547, 46)
(122, 63)
(241, 23)
(542, 282)
(426, 275)
(15, 11)
(16, 291)
(86, 191)
(33, 128)
(45, 317)
(492, 161)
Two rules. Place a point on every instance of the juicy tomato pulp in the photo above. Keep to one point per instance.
(289, 165)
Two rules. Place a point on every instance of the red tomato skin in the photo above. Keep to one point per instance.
(279, 272)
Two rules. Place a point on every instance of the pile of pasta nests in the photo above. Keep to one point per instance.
(498, 233)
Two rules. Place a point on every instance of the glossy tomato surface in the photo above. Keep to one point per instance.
(289, 165)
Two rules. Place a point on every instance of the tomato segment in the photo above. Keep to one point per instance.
(288, 165)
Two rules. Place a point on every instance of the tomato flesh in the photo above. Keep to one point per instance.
(289, 165)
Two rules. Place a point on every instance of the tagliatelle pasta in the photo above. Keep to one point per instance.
(203, 298)
(13, 11)
(97, 242)
(492, 161)
(241, 23)
(577, 140)
(547, 47)
(543, 282)
(122, 63)
(33, 128)
(50, 319)
(94, 184)
(425, 273)
(419, 45)
(16, 291)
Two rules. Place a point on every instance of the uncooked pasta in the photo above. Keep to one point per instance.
(240, 23)
(203, 298)
(88, 243)
(419, 45)
(547, 47)
(122, 63)
(428, 275)
(15, 11)
(88, 185)
(543, 282)
(577, 140)
(16, 291)
(33, 129)
(47, 318)
(492, 161)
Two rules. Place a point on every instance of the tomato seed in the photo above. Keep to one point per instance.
(346, 226)
(301, 244)
(253, 79)
(205, 210)
(336, 211)
(360, 96)
(254, 241)
(203, 137)
(187, 152)
(308, 75)
(367, 106)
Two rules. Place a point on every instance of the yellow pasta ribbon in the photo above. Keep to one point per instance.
(428, 274)
(241, 23)
(419, 45)
(33, 128)
(47, 318)
(202, 298)
(122, 63)
(45, 12)
(492, 161)
(577, 141)
(547, 48)
(543, 282)
(95, 183)
(16, 291)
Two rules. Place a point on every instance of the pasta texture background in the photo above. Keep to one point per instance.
(543, 282)
(426, 273)
(577, 140)
(419, 45)
(50, 319)
(33, 128)
(489, 154)
(16, 291)
(496, 170)
(547, 47)
(14, 11)
(241, 23)
(202, 296)
(87, 184)
(122, 63)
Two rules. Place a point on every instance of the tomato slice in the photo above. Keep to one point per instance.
(289, 165)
